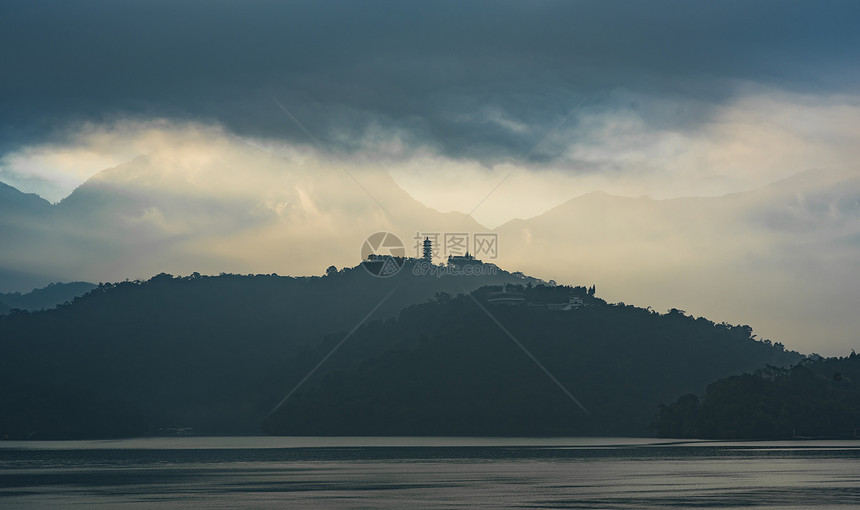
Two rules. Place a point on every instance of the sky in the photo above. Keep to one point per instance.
(501, 110)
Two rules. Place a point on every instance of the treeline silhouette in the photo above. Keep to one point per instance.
(214, 353)
(218, 353)
(818, 397)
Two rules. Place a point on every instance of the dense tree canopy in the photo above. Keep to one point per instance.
(449, 368)
(214, 353)
(815, 398)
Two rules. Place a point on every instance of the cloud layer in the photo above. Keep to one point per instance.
(478, 80)
(764, 136)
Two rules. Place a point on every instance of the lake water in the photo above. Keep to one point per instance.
(337, 472)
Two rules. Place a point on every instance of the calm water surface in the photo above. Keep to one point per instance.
(338, 472)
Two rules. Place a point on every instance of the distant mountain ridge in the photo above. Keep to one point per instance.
(756, 257)
(47, 297)
(13, 201)
(238, 210)
(791, 246)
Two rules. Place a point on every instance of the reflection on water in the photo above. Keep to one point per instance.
(266, 472)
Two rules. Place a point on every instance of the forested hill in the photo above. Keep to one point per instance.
(814, 399)
(448, 368)
(218, 353)
(212, 353)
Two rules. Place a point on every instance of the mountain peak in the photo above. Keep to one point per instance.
(13, 200)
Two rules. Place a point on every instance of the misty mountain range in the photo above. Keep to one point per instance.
(45, 298)
(235, 208)
(162, 212)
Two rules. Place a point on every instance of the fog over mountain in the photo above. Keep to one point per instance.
(215, 205)
(779, 258)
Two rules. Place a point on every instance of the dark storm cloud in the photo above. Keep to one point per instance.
(458, 76)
